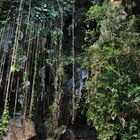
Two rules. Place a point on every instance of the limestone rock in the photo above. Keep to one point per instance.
(20, 129)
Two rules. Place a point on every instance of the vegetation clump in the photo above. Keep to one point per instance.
(114, 81)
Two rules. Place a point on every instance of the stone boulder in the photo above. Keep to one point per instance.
(20, 129)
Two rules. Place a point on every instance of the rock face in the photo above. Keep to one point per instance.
(85, 133)
(19, 129)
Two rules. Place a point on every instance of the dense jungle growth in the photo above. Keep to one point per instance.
(69, 70)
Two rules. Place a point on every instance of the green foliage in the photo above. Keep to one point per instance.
(15, 68)
(20, 60)
(4, 121)
(114, 61)
(98, 12)
(46, 10)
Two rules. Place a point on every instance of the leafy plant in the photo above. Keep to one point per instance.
(114, 81)
(4, 121)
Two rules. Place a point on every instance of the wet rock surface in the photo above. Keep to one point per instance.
(84, 133)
